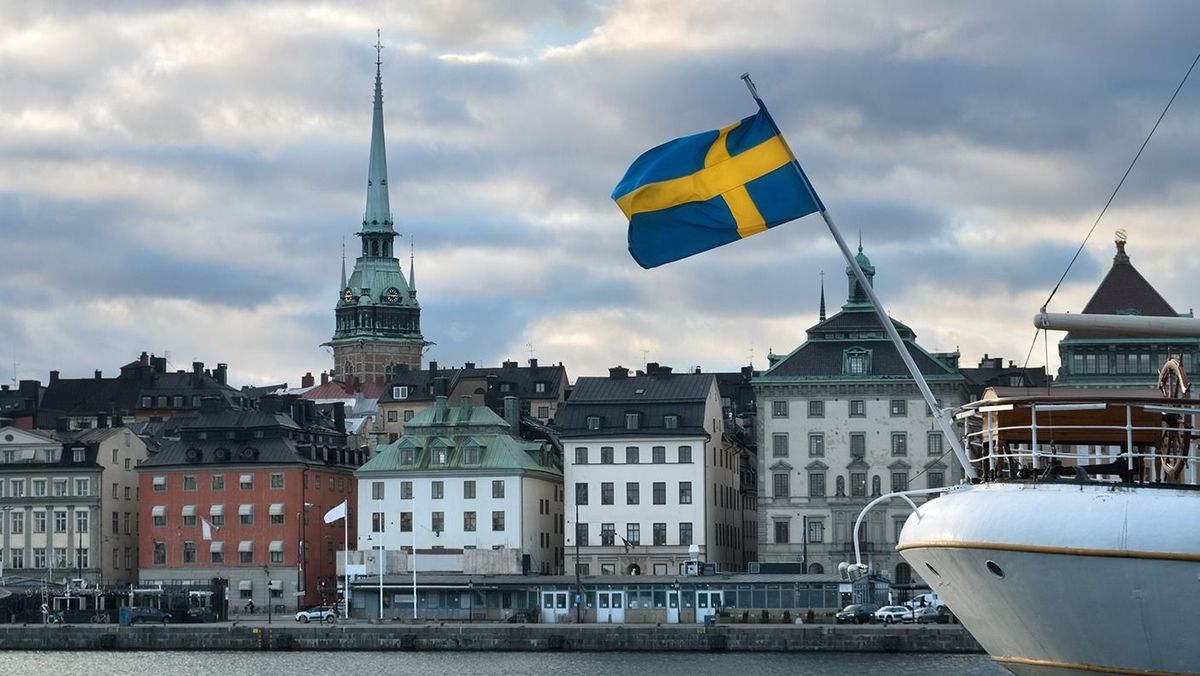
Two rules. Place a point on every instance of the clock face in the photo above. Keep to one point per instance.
(392, 295)
(348, 295)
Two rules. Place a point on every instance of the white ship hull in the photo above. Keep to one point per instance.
(1067, 578)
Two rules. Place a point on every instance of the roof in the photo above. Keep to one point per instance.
(674, 388)
(826, 359)
(509, 380)
(1124, 291)
(652, 397)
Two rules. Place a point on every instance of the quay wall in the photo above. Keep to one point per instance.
(498, 637)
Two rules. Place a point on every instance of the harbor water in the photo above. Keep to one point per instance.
(38, 663)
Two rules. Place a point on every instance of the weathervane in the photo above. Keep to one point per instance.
(378, 49)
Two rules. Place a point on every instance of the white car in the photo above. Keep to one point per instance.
(890, 614)
(318, 613)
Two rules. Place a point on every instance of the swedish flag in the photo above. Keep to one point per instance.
(699, 192)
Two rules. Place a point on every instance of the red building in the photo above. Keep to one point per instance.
(262, 480)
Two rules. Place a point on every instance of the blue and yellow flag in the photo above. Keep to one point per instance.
(699, 192)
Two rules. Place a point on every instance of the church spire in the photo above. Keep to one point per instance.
(412, 271)
(378, 215)
(343, 284)
(822, 317)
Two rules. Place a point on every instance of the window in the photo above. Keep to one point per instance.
(393, 416)
(632, 455)
(632, 493)
(246, 482)
(189, 552)
(159, 515)
(160, 553)
(498, 488)
(937, 479)
(438, 490)
(899, 408)
(469, 522)
(899, 481)
(934, 443)
(816, 445)
(685, 533)
(17, 527)
(658, 455)
(406, 492)
(408, 414)
(671, 422)
(276, 480)
(581, 493)
(83, 487)
(400, 392)
(189, 515)
(858, 445)
(39, 522)
(218, 482)
(498, 521)
(60, 521)
(441, 456)
(377, 522)
(60, 488)
(408, 456)
(779, 409)
(39, 557)
(816, 484)
(782, 532)
(899, 443)
(660, 533)
(608, 533)
(606, 455)
(685, 492)
(147, 402)
(781, 485)
(816, 530)
(816, 408)
(246, 552)
(216, 552)
(160, 484)
(633, 533)
(406, 522)
(581, 455)
(437, 522)
(858, 484)
(858, 408)
(39, 488)
(606, 493)
(116, 523)
(581, 534)
(685, 455)
(543, 412)
(632, 421)
(246, 515)
(469, 490)
(659, 491)
(779, 445)
(593, 422)
(875, 486)
(376, 490)
(856, 361)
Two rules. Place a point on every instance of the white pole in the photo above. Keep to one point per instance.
(413, 558)
(346, 566)
(379, 561)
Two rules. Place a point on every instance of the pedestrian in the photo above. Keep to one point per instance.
(250, 606)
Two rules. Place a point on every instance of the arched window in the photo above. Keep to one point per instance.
(841, 486)
(374, 248)
(903, 573)
(816, 569)
(876, 485)
(349, 368)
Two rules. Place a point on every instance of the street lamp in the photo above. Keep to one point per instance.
(267, 574)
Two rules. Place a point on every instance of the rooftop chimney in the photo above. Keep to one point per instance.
(324, 377)
(159, 364)
(339, 416)
(307, 380)
(222, 373)
(439, 408)
(99, 375)
(510, 364)
(53, 377)
(512, 414)
(532, 363)
(618, 372)
(144, 360)
(433, 366)
(469, 365)
(464, 408)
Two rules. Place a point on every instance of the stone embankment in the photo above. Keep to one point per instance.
(538, 637)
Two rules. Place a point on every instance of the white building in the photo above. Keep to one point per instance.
(458, 480)
(842, 422)
(649, 473)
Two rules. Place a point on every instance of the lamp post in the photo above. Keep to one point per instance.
(267, 574)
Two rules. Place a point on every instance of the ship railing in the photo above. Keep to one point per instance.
(1159, 453)
(855, 570)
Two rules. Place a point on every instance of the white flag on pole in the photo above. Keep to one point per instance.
(206, 529)
(336, 513)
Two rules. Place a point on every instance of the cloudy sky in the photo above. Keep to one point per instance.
(180, 177)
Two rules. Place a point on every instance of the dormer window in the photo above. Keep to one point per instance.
(441, 456)
(471, 454)
(506, 387)
(632, 421)
(407, 456)
(671, 422)
(540, 388)
(400, 392)
(593, 422)
(856, 361)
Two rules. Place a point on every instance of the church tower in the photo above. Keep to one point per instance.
(377, 314)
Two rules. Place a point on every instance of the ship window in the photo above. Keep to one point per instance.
(995, 569)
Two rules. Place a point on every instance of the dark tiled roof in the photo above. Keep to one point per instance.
(858, 320)
(676, 387)
(274, 450)
(1124, 291)
(825, 359)
(520, 380)
(652, 397)
(240, 419)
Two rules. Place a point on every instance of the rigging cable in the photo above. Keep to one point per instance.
(1121, 182)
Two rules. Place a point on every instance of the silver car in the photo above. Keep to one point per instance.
(318, 613)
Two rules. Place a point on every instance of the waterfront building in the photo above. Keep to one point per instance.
(378, 318)
(240, 497)
(843, 422)
(19, 405)
(467, 492)
(740, 414)
(539, 389)
(68, 505)
(1090, 359)
(144, 390)
(650, 474)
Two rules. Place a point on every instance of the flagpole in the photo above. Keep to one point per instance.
(346, 564)
(940, 416)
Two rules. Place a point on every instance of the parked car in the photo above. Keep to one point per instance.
(857, 613)
(143, 614)
(890, 614)
(930, 615)
(200, 614)
(318, 613)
